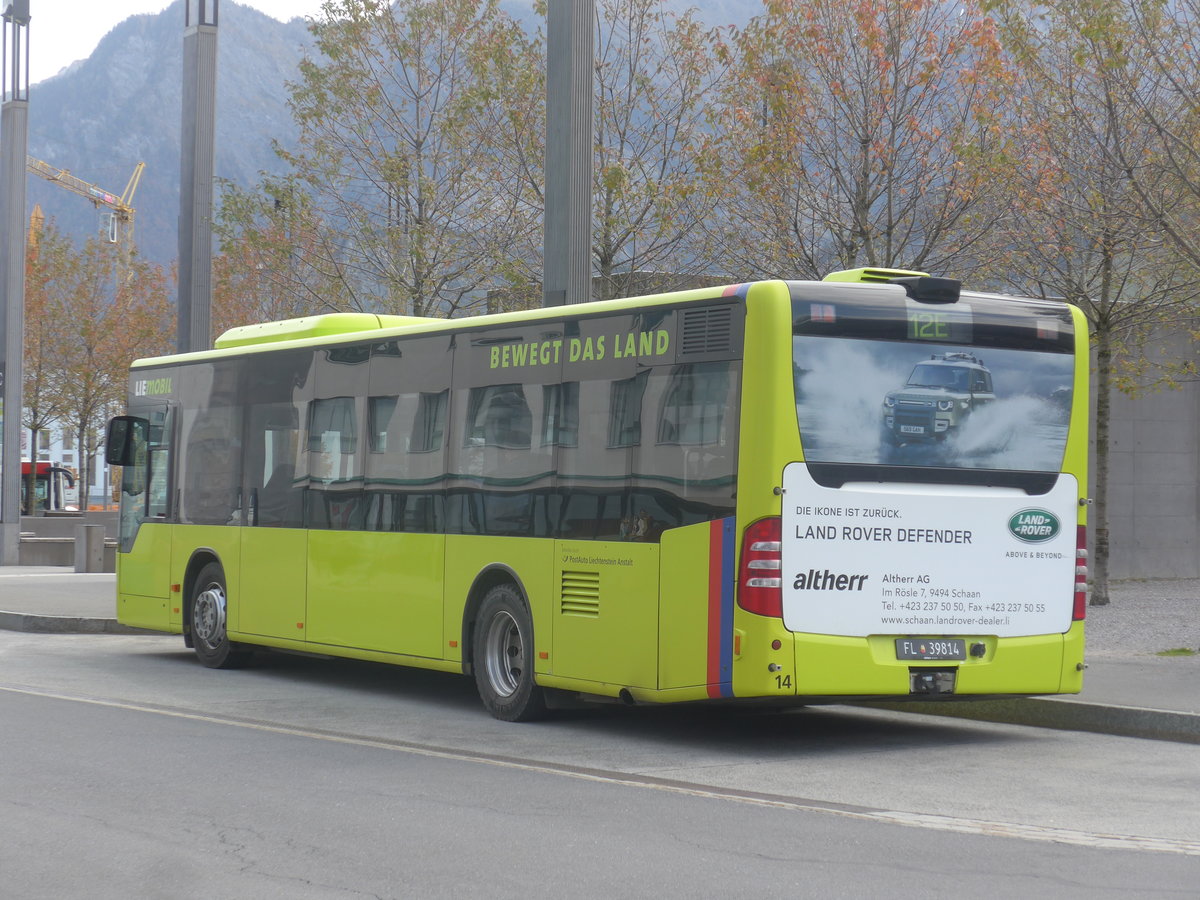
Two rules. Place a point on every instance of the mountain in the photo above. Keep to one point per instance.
(102, 115)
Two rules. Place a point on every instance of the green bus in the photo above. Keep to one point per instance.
(870, 486)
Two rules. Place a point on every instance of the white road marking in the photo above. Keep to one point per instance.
(626, 779)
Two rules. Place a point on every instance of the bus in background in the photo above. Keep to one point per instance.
(870, 486)
(54, 488)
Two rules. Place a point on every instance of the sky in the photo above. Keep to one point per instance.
(63, 31)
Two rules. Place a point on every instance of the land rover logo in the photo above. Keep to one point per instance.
(1033, 525)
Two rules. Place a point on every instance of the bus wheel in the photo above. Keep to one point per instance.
(209, 639)
(503, 655)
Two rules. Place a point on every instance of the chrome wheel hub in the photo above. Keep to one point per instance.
(208, 616)
(504, 654)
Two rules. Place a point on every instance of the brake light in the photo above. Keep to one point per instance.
(1081, 574)
(760, 574)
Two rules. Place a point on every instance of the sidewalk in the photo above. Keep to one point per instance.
(1128, 688)
(57, 600)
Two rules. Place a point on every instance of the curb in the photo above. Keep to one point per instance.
(1065, 715)
(38, 624)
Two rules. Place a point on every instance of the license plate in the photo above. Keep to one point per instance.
(912, 429)
(931, 648)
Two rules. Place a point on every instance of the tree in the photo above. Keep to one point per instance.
(274, 254)
(1154, 76)
(108, 311)
(404, 207)
(1076, 231)
(42, 398)
(655, 75)
(852, 134)
(418, 184)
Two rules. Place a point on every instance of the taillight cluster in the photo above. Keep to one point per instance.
(1081, 574)
(760, 575)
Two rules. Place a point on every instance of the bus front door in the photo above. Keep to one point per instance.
(274, 543)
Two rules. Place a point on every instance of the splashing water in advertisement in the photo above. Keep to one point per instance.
(892, 403)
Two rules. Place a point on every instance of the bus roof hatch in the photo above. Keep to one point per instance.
(310, 327)
(871, 275)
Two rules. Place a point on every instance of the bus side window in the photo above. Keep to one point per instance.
(688, 474)
(498, 416)
(335, 495)
(272, 442)
(560, 414)
(693, 407)
(625, 411)
(159, 446)
(502, 476)
(208, 455)
(407, 413)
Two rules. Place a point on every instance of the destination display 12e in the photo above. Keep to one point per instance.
(927, 559)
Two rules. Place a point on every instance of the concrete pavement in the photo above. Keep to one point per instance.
(1128, 689)
(57, 600)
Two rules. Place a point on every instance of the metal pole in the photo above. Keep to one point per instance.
(14, 141)
(570, 59)
(197, 160)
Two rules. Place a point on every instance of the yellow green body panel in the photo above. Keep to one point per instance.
(1072, 659)
(376, 591)
(269, 598)
(471, 560)
(190, 546)
(606, 612)
(831, 666)
(760, 669)
(769, 438)
(683, 609)
(143, 579)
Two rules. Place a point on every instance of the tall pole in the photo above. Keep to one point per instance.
(197, 160)
(14, 141)
(570, 59)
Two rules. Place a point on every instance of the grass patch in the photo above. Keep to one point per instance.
(1178, 651)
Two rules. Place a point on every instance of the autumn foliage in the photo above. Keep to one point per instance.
(89, 313)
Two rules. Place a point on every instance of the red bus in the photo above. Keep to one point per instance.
(54, 487)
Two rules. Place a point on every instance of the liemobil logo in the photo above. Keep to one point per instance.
(152, 387)
(1033, 525)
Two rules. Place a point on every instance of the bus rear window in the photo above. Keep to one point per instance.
(882, 395)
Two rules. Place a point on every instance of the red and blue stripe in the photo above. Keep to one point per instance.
(721, 576)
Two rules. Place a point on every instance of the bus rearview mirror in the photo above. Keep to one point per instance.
(121, 442)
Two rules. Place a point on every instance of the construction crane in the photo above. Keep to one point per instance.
(116, 223)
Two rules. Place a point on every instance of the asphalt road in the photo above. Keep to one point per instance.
(127, 770)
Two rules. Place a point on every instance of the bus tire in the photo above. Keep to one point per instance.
(207, 621)
(503, 657)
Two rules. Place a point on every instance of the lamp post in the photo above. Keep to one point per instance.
(14, 141)
(570, 83)
(196, 162)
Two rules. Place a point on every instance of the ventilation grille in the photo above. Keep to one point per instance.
(707, 330)
(580, 594)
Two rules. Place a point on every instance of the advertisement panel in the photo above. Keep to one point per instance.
(935, 405)
(927, 559)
